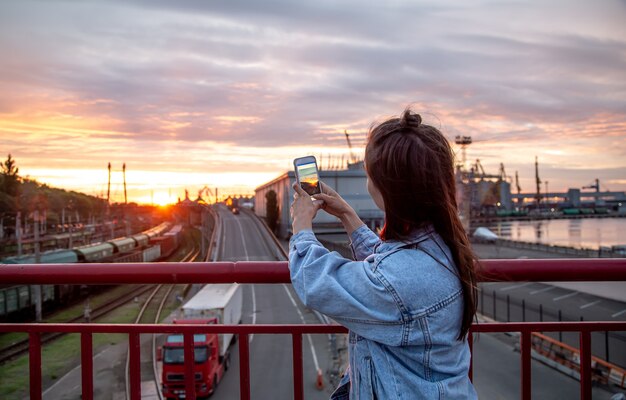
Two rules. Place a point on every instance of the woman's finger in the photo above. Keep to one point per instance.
(324, 196)
(327, 189)
(299, 190)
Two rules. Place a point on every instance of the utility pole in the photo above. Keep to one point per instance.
(109, 186)
(124, 173)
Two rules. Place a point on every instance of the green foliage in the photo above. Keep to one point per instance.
(10, 178)
(271, 210)
(26, 195)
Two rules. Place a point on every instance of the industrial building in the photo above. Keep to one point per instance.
(350, 183)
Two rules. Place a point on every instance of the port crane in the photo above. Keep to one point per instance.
(463, 141)
(519, 188)
(206, 190)
(352, 156)
(538, 181)
(595, 186)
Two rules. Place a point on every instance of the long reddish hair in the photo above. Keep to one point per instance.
(412, 165)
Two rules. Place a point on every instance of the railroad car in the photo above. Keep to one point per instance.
(17, 299)
(167, 244)
(123, 245)
(157, 230)
(176, 233)
(141, 239)
(61, 256)
(94, 252)
(152, 253)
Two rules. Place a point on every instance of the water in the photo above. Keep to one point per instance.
(581, 233)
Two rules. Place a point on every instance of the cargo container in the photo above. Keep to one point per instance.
(213, 304)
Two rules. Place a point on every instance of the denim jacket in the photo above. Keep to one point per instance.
(402, 303)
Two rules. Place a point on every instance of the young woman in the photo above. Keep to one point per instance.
(409, 298)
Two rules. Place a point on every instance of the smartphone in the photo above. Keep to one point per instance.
(307, 174)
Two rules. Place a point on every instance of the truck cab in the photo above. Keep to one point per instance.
(209, 366)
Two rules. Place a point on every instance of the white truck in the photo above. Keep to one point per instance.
(213, 304)
(221, 301)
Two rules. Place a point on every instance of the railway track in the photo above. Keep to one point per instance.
(159, 295)
(21, 347)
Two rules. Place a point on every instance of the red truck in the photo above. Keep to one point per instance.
(214, 304)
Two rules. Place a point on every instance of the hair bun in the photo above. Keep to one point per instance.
(410, 119)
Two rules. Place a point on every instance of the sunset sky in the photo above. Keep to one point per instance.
(226, 94)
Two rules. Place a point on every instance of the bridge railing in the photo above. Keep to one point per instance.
(277, 272)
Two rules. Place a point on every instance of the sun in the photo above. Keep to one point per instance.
(158, 199)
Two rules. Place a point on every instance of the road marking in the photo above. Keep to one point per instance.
(293, 301)
(565, 296)
(515, 286)
(243, 239)
(223, 239)
(546, 289)
(593, 303)
(617, 314)
(243, 242)
(73, 369)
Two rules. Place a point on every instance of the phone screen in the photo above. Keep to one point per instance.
(309, 178)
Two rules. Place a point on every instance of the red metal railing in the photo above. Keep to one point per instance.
(277, 272)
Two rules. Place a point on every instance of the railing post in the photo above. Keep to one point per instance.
(525, 352)
(540, 312)
(470, 342)
(494, 305)
(508, 308)
(560, 332)
(482, 301)
(585, 365)
(523, 310)
(34, 363)
(190, 360)
(606, 345)
(134, 367)
(86, 365)
(298, 382)
(244, 367)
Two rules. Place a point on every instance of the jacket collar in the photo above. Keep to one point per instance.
(417, 235)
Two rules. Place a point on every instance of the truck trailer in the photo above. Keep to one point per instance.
(213, 304)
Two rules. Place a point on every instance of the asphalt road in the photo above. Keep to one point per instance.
(270, 355)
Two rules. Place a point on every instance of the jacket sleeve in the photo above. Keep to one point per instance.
(363, 242)
(350, 292)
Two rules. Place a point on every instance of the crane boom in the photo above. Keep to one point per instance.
(595, 186)
(352, 157)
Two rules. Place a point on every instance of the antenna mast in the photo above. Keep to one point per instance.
(109, 185)
(124, 173)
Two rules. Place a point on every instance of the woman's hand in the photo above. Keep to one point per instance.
(335, 205)
(303, 209)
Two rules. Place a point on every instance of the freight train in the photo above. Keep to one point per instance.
(151, 245)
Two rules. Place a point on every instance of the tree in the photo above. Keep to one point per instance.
(271, 210)
(10, 178)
